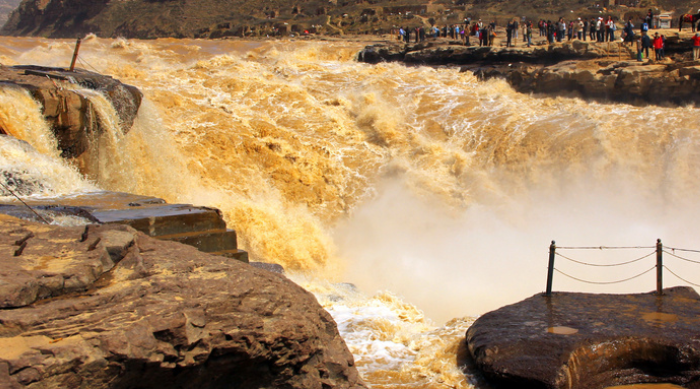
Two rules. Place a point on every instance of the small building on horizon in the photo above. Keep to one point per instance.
(664, 20)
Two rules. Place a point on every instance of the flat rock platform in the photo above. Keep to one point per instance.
(201, 227)
(581, 341)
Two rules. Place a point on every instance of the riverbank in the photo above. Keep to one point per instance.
(608, 71)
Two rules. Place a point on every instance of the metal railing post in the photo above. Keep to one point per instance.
(550, 271)
(659, 267)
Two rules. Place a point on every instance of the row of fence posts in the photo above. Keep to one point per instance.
(659, 267)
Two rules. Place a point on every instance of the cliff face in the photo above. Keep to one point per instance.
(158, 18)
(261, 18)
(7, 6)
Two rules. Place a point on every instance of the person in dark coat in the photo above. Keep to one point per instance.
(646, 44)
(509, 33)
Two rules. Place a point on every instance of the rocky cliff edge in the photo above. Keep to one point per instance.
(106, 306)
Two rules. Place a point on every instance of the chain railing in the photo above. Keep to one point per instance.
(659, 250)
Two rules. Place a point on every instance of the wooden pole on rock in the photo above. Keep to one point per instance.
(75, 54)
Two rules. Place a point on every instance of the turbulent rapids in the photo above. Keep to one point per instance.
(434, 194)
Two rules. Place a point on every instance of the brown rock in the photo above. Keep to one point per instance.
(625, 81)
(578, 340)
(70, 114)
(111, 307)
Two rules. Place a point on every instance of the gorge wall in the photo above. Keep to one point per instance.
(216, 19)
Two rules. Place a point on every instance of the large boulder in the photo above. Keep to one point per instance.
(106, 306)
(66, 103)
(581, 341)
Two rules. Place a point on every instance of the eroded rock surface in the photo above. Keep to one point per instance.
(439, 53)
(110, 307)
(623, 81)
(578, 340)
(68, 110)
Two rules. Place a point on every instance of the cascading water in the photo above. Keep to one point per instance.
(434, 194)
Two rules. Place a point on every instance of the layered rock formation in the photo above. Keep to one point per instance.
(200, 227)
(439, 53)
(589, 70)
(69, 112)
(577, 340)
(106, 306)
(626, 81)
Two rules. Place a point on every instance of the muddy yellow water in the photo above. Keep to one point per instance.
(435, 194)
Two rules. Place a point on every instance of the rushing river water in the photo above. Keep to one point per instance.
(435, 194)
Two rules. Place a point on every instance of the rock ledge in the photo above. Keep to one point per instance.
(109, 307)
(578, 340)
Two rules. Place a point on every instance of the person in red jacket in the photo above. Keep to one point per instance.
(658, 46)
(696, 46)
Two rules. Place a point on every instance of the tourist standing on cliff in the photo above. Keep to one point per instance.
(644, 27)
(649, 18)
(467, 31)
(696, 46)
(580, 32)
(561, 33)
(663, 46)
(591, 25)
(484, 35)
(528, 33)
(550, 32)
(629, 31)
(658, 46)
(599, 29)
(509, 33)
(611, 29)
(646, 44)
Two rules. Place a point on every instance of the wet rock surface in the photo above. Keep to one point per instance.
(578, 340)
(107, 306)
(69, 112)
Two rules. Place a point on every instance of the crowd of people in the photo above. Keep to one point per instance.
(594, 29)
